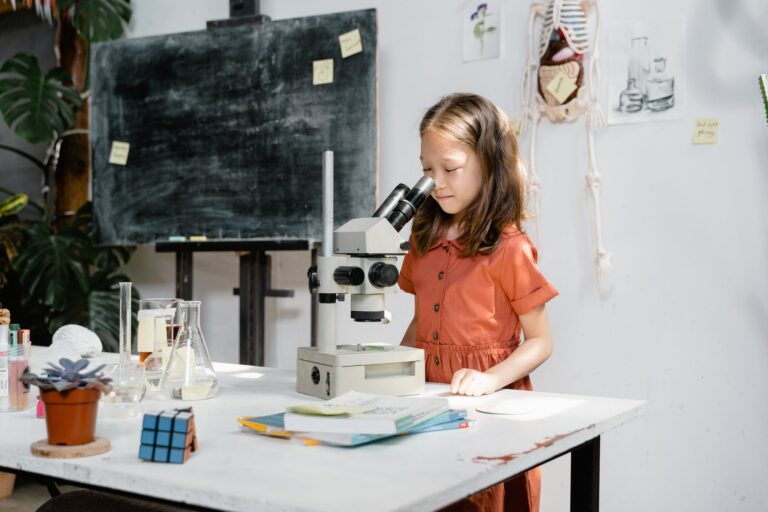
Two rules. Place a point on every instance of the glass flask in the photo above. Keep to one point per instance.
(640, 63)
(661, 87)
(189, 374)
(631, 99)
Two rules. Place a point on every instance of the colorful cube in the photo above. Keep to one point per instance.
(168, 436)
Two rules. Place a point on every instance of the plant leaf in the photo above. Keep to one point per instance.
(38, 108)
(97, 20)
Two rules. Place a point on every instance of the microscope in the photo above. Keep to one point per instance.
(358, 259)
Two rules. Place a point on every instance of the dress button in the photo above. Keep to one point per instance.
(437, 308)
(441, 275)
(434, 336)
(437, 360)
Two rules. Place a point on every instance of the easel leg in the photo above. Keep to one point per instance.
(184, 275)
(585, 477)
(253, 274)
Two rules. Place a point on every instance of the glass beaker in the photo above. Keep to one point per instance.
(189, 374)
(149, 309)
(128, 388)
(154, 365)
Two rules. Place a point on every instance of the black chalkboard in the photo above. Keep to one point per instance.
(226, 131)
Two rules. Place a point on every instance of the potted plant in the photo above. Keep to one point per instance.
(51, 273)
(71, 400)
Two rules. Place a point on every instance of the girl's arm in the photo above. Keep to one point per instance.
(536, 348)
(410, 333)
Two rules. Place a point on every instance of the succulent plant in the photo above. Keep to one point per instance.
(69, 376)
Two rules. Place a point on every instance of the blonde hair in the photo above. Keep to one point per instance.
(480, 124)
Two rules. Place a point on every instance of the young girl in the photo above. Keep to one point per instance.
(473, 272)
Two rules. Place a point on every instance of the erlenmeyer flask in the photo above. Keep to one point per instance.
(189, 374)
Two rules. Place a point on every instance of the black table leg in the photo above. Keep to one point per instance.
(184, 275)
(585, 477)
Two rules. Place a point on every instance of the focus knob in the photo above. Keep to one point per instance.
(346, 276)
(314, 283)
(383, 275)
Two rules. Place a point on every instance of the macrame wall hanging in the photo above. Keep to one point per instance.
(565, 90)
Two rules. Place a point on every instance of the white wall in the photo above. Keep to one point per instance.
(686, 327)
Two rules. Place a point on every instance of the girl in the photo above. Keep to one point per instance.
(473, 272)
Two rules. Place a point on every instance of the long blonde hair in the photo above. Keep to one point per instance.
(478, 123)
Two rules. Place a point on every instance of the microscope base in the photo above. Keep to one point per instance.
(397, 372)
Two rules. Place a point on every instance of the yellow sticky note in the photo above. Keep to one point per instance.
(322, 72)
(706, 131)
(119, 153)
(350, 43)
(561, 86)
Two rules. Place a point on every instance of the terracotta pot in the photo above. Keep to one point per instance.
(70, 416)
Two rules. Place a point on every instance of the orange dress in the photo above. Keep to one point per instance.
(467, 316)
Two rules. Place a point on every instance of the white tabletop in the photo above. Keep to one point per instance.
(243, 471)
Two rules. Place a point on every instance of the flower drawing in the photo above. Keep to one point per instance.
(480, 14)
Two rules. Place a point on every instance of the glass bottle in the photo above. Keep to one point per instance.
(631, 99)
(640, 63)
(189, 374)
(661, 87)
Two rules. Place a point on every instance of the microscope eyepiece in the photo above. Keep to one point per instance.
(391, 201)
(407, 206)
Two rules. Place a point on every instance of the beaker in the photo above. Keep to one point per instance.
(149, 309)
(189, 374)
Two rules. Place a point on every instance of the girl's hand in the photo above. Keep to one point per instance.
(473, 383)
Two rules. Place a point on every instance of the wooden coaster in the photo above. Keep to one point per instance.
(41, 448)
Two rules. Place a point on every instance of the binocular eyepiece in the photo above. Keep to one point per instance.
(401, 204)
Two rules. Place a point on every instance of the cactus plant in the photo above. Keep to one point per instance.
(69, 376)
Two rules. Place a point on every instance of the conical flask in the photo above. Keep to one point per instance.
(189, 374)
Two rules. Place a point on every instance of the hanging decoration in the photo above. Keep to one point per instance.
(564, 68)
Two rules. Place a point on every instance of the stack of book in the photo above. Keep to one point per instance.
(353, 419)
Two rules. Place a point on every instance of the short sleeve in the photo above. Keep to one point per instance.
(405, 281)
(522, 281)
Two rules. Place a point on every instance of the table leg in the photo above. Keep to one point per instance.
(585, 477)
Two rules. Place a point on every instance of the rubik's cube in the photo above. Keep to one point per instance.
(168, 436)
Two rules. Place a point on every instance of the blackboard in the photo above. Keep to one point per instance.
(226, 131)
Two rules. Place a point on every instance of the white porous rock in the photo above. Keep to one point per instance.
(83, 341)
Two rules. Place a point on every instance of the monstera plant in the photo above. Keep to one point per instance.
(52, 274)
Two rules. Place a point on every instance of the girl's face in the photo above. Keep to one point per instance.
(455, 168)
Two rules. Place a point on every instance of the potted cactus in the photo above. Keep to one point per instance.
(71, 398)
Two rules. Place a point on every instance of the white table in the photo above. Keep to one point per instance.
(243, 471)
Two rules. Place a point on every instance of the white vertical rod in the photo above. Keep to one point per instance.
(327, 203)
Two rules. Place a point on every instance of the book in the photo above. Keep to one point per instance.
(382, 414)
(273, 425)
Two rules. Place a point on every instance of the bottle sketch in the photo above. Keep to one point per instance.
(640, 64)
(631, 99)
(661, 87)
